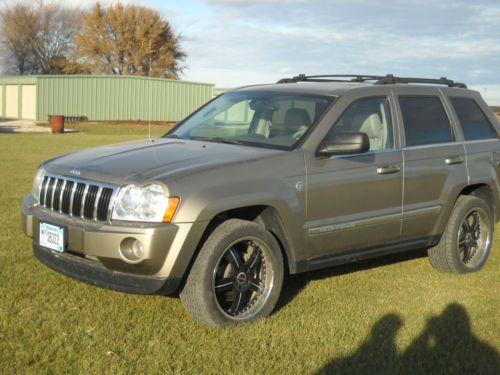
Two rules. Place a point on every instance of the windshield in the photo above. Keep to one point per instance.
(266, 119)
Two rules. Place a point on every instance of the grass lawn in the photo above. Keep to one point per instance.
(390, 315)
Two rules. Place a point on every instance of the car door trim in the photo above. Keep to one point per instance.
(329, 228)
(323, 229)
(432, 210)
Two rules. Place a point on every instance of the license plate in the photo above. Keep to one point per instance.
(52, 237)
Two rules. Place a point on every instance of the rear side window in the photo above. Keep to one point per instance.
(475, 124)
(425, 120)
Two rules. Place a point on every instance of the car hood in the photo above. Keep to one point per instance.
(157, 159)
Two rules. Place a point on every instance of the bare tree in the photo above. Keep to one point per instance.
(37, 39)
(17, 32)
(53, 44)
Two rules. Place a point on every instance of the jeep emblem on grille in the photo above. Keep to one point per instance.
(75, 172)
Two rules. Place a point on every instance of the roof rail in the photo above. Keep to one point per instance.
(378, 80)
(391, 79)
(331, 78)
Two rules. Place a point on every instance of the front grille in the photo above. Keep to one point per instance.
(84, 199)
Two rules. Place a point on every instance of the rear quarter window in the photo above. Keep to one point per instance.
(475, 125)
(424, 120)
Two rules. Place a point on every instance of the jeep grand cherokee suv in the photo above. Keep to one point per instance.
(289, 177)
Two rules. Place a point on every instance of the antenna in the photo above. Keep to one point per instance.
(150, 95)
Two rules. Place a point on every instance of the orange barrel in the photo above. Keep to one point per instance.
(57, 124)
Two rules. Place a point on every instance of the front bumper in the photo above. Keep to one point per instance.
(92, 251)
(96, 274)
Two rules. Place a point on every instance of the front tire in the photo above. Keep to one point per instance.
(237, 276)
(466, 241)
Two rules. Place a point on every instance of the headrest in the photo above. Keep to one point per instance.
(372, 126)
(297, 117)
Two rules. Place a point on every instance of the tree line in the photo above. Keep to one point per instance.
(122, 39)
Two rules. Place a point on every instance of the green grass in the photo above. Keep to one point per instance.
(390, 315)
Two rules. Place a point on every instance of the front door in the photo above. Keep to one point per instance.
(354, 202)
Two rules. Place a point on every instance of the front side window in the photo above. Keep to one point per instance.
(474, 123)
(265, 119)
(371, 116)
(425, 121)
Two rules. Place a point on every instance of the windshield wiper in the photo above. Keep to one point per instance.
(172, 136)
(219, 140)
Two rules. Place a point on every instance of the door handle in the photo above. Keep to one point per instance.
(454, 160)
(495, 158)
(387, 169)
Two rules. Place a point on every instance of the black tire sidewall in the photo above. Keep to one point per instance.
(463, 206)
(200, 278)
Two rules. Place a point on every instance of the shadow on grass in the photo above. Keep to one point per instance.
(293, 284)
(446, 346)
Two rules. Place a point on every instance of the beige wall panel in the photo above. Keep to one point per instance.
(12, 101)
(1, 101)
(29, 102)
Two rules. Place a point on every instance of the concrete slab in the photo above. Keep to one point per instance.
(25, 126)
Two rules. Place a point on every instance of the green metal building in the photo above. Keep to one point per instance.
(106, 98)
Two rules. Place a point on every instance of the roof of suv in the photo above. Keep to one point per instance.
(319, 88)
(339, 84)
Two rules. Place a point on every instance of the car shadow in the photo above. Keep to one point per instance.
(293, 284)
(445, 346)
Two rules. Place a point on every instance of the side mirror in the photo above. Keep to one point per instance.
(345, 143)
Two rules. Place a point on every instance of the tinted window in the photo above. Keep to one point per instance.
(474, 123)
(425, 121)
(371, 116)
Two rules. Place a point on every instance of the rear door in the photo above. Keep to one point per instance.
(434, 162)
(481, 139)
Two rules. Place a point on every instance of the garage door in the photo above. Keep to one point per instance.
(11, 101)
(29, 102)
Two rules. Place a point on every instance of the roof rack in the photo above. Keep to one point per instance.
(378, 80)
(331, 78)
(391, 79)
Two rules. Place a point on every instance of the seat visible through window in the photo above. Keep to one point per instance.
(371, 116)
(297, 121)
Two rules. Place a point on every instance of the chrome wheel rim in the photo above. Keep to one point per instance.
(474, 237)
(242, 279)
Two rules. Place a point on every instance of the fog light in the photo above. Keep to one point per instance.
(131, 250)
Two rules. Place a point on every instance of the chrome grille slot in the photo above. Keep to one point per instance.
(50, 192)
(43, 189)
(66, 196)
(88, 211)
(102, 207)
(85, 199)
(57, 194)
(77, 202)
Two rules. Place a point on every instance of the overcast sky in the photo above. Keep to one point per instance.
(237, 42)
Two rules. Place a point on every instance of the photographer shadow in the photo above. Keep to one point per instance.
(446, 346)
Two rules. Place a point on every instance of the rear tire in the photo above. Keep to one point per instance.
(466, 241)
(237, 276)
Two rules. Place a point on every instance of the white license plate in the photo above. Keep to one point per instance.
(52, 237)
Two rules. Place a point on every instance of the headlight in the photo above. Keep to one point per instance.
(148, 203)
(37, 183)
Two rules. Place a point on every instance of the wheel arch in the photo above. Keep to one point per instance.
(482, 190)
(265, 215)
(485, 192)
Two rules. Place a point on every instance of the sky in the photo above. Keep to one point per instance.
(236, 42)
